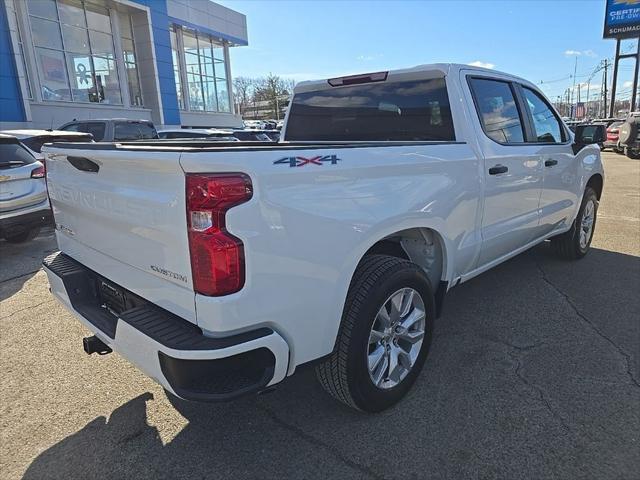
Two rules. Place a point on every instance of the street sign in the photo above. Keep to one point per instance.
(622, 19)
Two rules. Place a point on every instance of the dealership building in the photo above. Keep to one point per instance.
(162, 60)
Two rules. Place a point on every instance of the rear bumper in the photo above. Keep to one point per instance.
(169, 349)
(16, 222)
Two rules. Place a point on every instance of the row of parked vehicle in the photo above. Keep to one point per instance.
(622, 134)
(24, 204)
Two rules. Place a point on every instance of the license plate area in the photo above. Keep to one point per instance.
(112, 297)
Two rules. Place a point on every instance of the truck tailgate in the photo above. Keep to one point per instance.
(122, 214)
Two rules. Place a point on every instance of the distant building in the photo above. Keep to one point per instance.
(161, 60)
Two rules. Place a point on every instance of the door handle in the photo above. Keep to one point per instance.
(84, 164)
(550, 163)
(498, 169)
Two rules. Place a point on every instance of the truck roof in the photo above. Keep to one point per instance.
(441, 69)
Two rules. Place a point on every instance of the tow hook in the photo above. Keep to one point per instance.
(94, 345)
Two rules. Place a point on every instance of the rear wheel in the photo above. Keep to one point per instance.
(576, 242)
(384, 337)
(25, 236)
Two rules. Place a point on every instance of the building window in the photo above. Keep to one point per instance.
(130, 64)
(74, 51)
(205, 73)
(175, 55)
(23, 59)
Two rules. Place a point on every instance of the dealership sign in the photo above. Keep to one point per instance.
(622, 19)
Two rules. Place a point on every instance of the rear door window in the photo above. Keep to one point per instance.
(74, 127)
(96, 129)
(546, 125)
(134, 131)
(497, 109)
(387, 111)
(14, 155)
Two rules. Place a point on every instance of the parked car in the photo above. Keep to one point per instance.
(629, 135)
(34, 139)
(114, 129)
(251, 135)
(612, 137)
(259, 124)
(209, 134)
(24, 205)
(279, 125)
(607, 121)
(272, 135)
(230, 269)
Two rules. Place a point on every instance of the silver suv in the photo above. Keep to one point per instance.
(24, 205)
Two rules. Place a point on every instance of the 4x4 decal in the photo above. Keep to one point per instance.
(302, 161)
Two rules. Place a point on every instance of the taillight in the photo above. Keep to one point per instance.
(38, 172)
(217, 257)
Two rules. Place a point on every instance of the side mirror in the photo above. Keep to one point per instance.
(587, 135)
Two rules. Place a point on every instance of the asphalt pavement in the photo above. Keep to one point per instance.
(534, 373)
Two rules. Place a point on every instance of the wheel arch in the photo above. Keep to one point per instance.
(597, 183)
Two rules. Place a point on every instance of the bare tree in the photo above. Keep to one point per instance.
(275, 91)
(243, 90)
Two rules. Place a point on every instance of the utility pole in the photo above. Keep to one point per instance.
(604, 85)
(575, 70)
(587, 108)
(612, 107)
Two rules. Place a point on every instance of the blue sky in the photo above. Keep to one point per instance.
(538, 40)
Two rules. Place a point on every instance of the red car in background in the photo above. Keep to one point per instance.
(612, 137)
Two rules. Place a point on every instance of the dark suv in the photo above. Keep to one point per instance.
(114, 129)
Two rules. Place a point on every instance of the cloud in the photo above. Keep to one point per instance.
(586, 53)
(479, 63)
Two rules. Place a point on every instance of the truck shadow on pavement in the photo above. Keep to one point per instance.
(533, 374)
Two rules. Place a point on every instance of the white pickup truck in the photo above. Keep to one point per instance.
(220, 269)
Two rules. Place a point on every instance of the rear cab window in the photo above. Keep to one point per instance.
(97, 129)
(416, 110)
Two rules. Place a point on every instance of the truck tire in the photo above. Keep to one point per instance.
(575, 243)
(384, 336)
(22, 237)
(631, 153)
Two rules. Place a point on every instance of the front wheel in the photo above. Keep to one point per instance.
(631, 153)
(576, 242)
(384, 337)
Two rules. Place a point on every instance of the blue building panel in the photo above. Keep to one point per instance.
(11, 106)
(164, 62)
